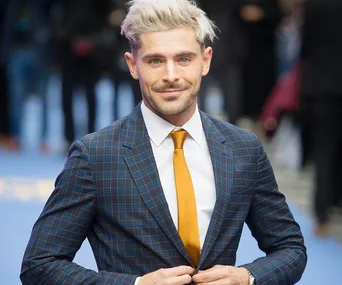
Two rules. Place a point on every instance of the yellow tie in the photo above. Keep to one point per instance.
(187, 212)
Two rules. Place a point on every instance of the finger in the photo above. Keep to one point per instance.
(179, 280)
(178, 271)
(217, 282)
(210, 269)
(226, 268)
(210, 275)
(172, 276)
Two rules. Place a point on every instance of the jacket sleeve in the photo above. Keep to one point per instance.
(277, 233)
(63, 226)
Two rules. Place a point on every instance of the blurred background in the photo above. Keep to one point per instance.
(277, 71)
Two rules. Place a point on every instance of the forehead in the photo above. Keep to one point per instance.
(169, 42)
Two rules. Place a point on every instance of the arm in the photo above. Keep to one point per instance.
(62, 227)
(275, 230)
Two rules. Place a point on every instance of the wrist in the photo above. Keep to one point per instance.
(251, 279)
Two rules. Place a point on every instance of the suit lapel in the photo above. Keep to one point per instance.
(141, 163)
(222, 160)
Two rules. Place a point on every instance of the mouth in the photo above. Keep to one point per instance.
(170, 94)
(171, 91)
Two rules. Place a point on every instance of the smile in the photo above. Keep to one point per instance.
(171, 91)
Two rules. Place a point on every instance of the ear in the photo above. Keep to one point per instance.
(131, 65)
(207, 56)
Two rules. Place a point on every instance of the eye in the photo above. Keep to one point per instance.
(155, 61)
(184, 60)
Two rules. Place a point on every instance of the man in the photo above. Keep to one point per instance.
(259, 21)
(321, 105)
(85, 39)
(4, 118)
(128, 189)
(26, 48)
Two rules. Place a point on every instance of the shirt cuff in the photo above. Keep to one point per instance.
(137, 281)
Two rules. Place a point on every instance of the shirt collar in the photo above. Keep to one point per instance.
(158, 129)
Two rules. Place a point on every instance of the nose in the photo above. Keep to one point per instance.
(171, 74)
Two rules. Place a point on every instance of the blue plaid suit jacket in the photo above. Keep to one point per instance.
(109, 192)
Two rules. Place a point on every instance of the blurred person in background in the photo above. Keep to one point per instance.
(120, 73)
(282, 103)
(245, 64)
(4, 120)
(26, 46)
(321, 102)
(85, 44)
(3, 8)
(289, 36)
(259, 20)
(230, 52)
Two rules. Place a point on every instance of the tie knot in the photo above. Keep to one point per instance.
(178, 138)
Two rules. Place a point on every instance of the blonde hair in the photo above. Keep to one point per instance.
(146, 16)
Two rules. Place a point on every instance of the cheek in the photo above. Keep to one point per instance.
(194, 74)
(149, 79)
(146, 83)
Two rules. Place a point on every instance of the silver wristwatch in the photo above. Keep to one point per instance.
(251, 277)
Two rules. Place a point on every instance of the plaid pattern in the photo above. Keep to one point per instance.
(109, 192)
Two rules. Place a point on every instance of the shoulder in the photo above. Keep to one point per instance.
(231, 133)
(240, 141)
(106, 138)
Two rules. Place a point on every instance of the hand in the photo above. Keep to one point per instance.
(172, 276)
(222, 274)
(251, 13)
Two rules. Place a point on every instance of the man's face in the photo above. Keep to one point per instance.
(170, 65)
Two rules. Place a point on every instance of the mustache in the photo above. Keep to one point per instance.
(164, 87)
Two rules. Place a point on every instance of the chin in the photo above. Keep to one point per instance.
(172, 107)
(174, 111)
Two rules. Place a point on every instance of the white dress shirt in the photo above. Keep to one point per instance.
(198, 160)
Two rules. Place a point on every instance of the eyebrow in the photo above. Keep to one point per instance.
(158, 55)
